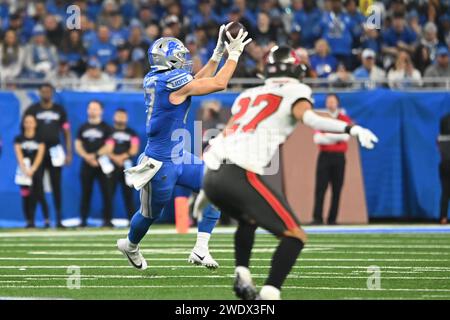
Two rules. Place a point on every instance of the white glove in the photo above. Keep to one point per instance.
(220, 46)
(235, 46)
(366, 137)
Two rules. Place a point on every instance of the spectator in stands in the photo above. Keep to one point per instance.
(308, 19)
(146, 16)
(152, 32)
(357, 18)
(136, 42)
(247, 15)
(369, 70)
(16, 23)
(112, 70)
(174, 24)
(63, 77)
(398, 37)
(265, 35)
(413, 21)
(323, 62)
(371, 39)
(341, 78)
(425, 52)
(123, 59)
(102, 48)
(119, 34)
(89, 35)
(53, 30)
(191, 44)
(441, 67)
(40, 56)
(74, 52)
(94, 79)
(205, 14)
(236, 15)
(12, 57)
(444, 30)
(133, 71)
(404, 75)
(337, 28)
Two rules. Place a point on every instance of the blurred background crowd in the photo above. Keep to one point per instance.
(404, 42)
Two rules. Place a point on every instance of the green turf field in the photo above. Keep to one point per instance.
(332, 266)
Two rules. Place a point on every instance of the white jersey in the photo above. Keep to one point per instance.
(262, 120)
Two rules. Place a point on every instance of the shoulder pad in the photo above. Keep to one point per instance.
(176, 79)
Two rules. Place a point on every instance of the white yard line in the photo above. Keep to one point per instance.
(255, 276)
(220, 259)
(318, 250)
(223, 286)
(364, 267)
(213, 245)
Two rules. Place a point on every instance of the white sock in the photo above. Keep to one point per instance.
(130, 245)
(202, 241)
(244, 274)
(270, 293)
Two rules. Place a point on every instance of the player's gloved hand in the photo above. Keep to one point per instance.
(220, 46)
(366, 137)
(236, 46)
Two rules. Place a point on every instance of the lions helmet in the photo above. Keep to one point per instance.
(169, 53)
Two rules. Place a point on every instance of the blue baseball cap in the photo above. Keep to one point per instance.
(442, 51)
(38, 30)
(94, 63)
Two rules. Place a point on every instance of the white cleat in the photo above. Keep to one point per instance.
(269, 293)
(135, 258)
(203, 259)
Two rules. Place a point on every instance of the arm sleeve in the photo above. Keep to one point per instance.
(313, 120)
(64, 122)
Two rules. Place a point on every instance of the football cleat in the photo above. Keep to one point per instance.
(135, 258)
(269, 293)
(203, 259)
(243, 284)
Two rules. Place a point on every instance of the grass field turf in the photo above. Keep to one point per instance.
(332, 266)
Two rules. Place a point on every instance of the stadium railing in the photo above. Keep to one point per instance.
(237, 84)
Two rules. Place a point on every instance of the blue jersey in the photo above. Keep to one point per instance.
(164, 119)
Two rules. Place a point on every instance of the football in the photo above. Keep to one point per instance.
(233, 29)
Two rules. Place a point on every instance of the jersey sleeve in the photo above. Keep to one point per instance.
(177, 79)
(80, 133)
(302, 91)
(18, 139)
(63, 120)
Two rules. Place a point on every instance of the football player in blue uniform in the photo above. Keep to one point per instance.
(168, 88)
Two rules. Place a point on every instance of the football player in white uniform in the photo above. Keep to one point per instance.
(262, 119)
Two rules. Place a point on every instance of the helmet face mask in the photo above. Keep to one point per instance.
(169, 53)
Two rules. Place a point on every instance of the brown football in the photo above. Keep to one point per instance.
(233, 29)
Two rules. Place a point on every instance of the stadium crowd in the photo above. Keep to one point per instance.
(411, 41)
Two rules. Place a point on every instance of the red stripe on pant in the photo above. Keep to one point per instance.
(272, 200)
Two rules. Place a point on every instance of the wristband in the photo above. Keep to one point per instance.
(348, 128)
